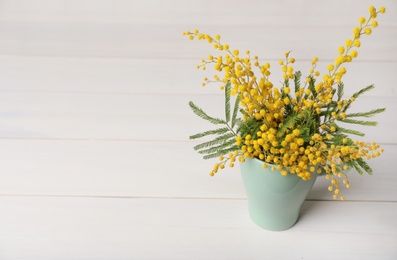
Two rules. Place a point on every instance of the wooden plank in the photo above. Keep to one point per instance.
(150, 169)
(145, 117)
(157, 76)
(137, 41)
(178, 11)
(53, 228)
(130, 29)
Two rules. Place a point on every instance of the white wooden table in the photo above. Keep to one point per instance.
(94, 125)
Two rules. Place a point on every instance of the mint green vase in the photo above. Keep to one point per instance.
(274, 201)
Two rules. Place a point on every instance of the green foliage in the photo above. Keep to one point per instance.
(337, 139)
(250, 127)
(364, 165)
(227, 101)
(218, 140)
(225, 139)
(362, 91)
(367, 114)
(219, 150)
(218, 131)
(297, 80)
(359, 122)
(312, 86)
(198, 111)
(357, 94)
(340, 91)
(360, 165)
(350, 131)
(351, 118)
(303, 120)
(235, 120)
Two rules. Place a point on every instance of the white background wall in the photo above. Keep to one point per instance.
(94, 125)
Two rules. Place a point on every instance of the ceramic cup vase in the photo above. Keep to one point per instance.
(274, 201)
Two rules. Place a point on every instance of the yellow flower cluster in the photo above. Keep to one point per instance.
(296, 148)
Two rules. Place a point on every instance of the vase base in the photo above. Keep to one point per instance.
(273, 224)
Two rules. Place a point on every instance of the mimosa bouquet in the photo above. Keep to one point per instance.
(296, 125)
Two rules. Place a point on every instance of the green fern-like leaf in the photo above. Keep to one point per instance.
(252, 126)
(362, 91)
(331, 107)
(358, 122)
(235, 111)
(227, 101)
(198, 111)
(340, 91)
(297, 80)
(288, 123)
(357, 94)
(225, 140)
(215, 149)
(337, 139)
(218, 131)
(220, 152)
(311, 87)
(218, 140)
(357, 167)
(364, 165)
(350, 131)
(367, 114)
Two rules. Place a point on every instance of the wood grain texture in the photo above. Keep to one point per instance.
(143, 117)
(167, 76)
(62, 228)
(153, 28)
(127, 169)
(94, 125)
